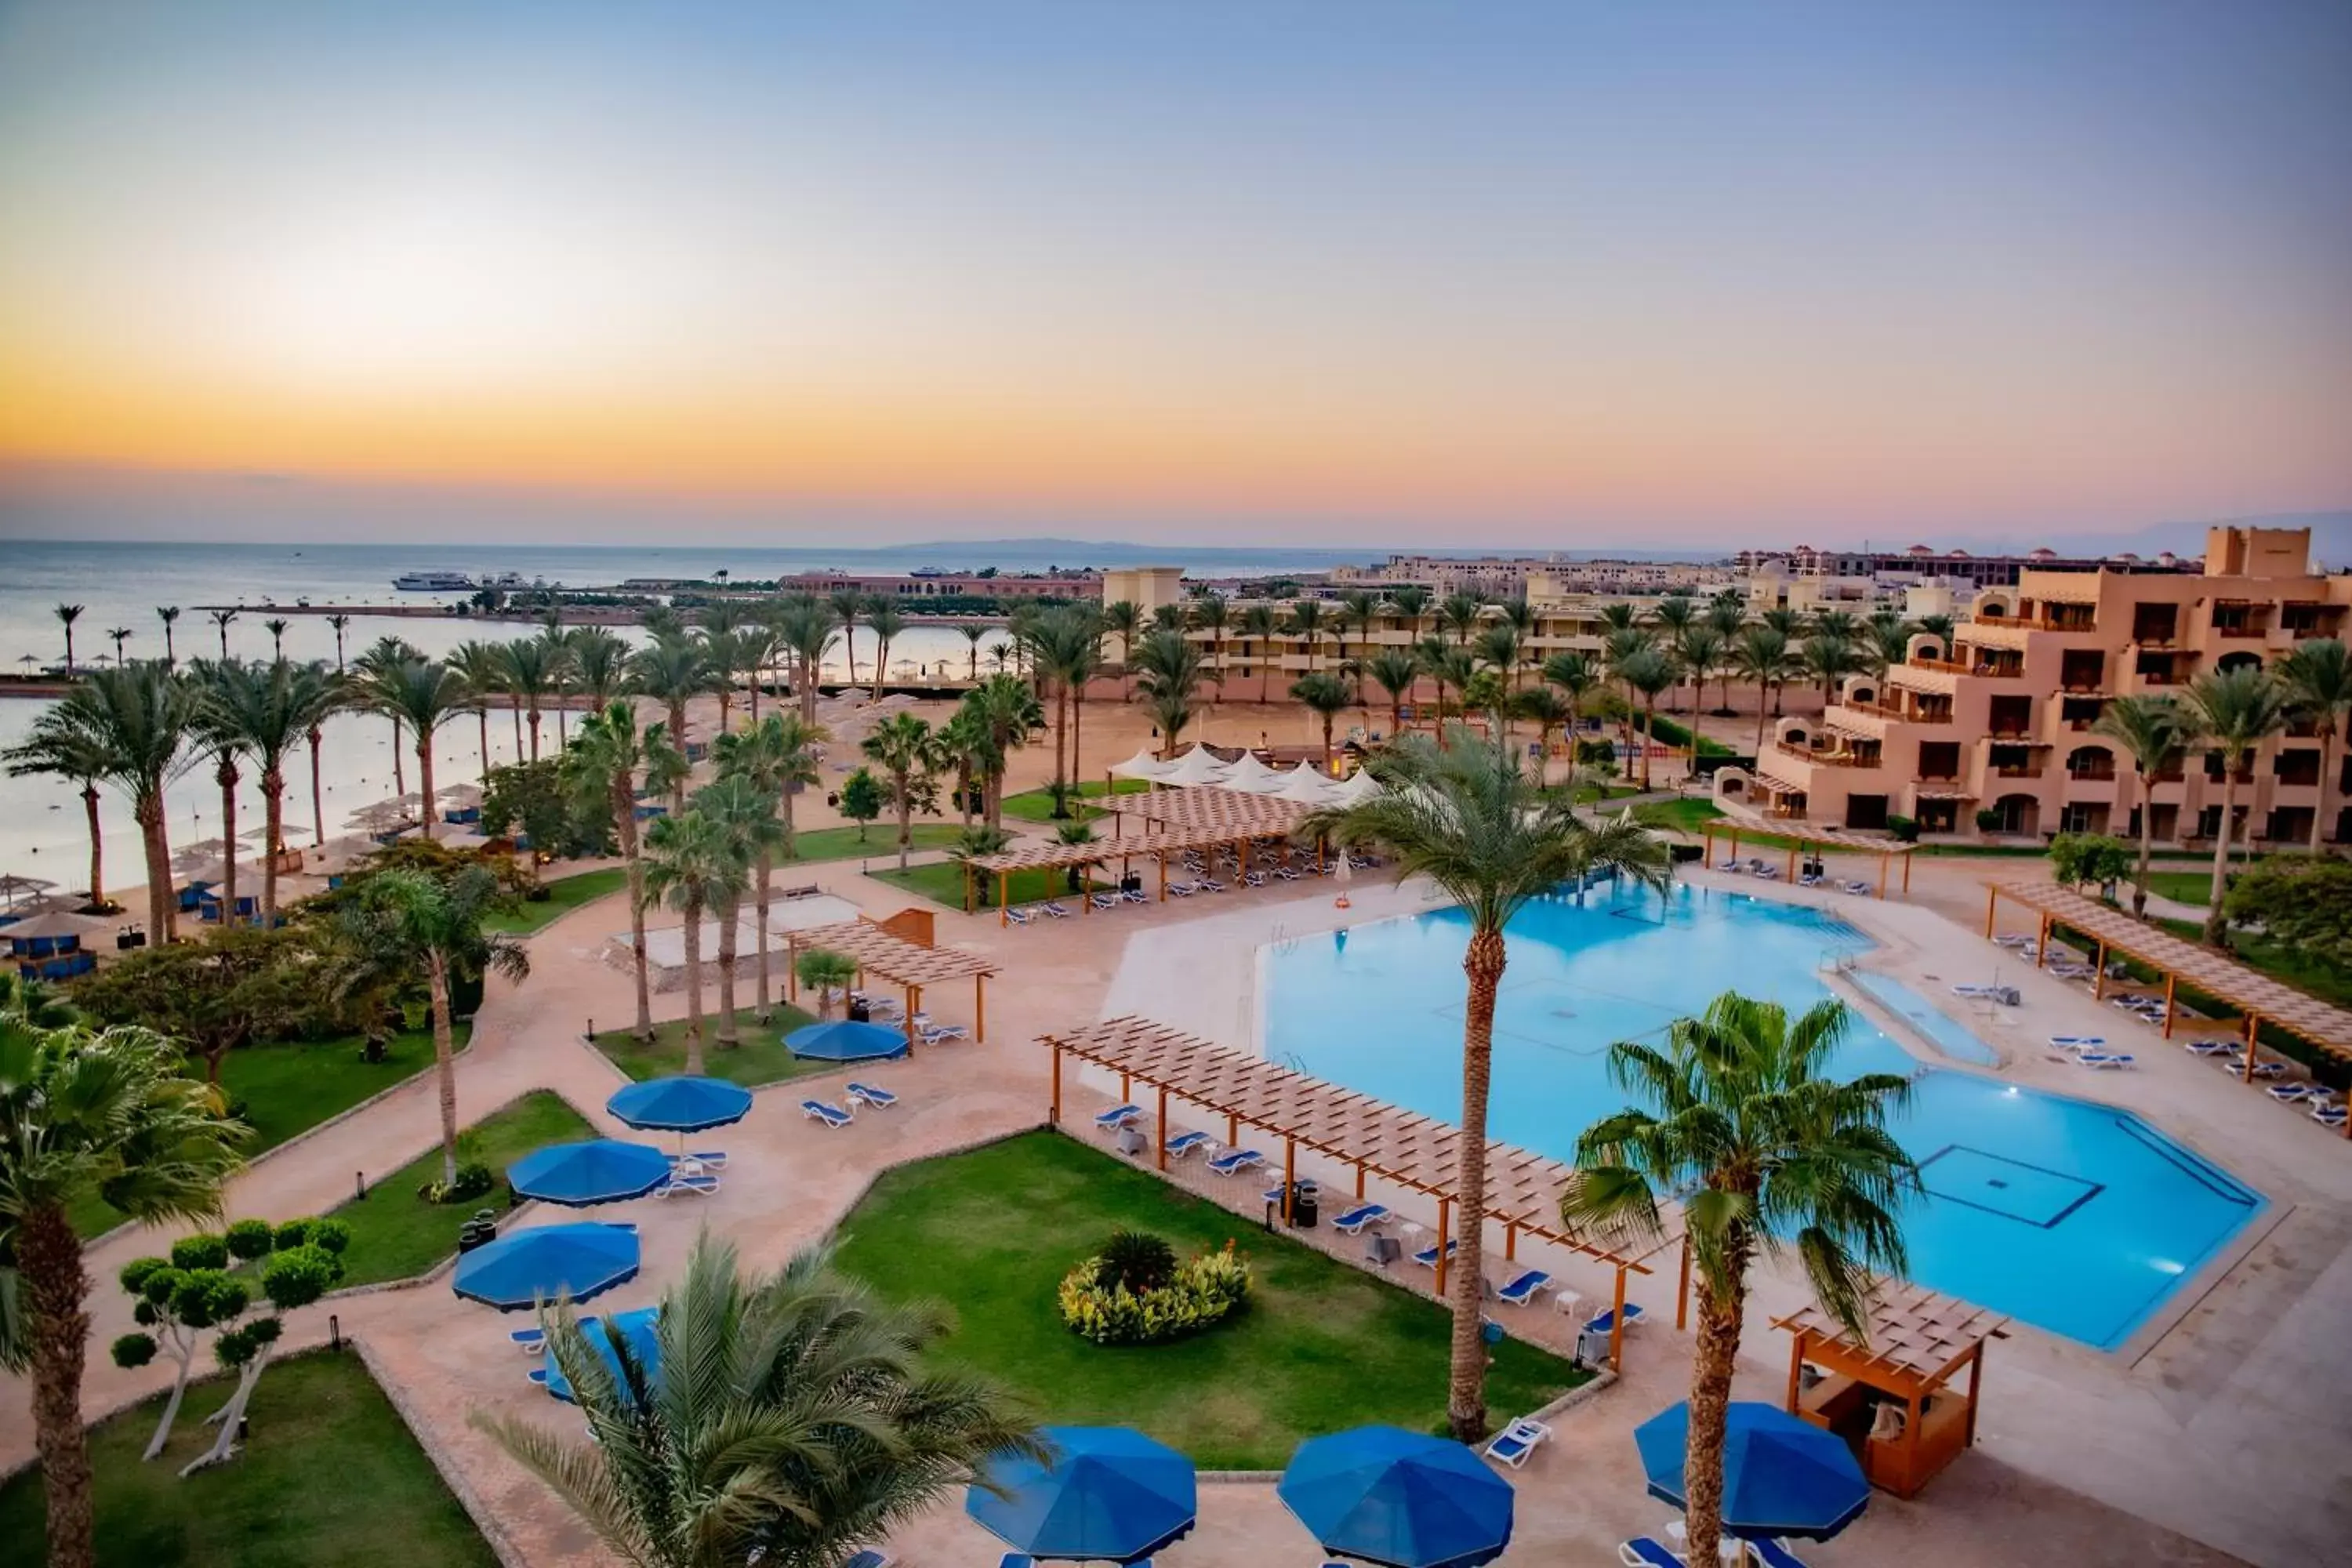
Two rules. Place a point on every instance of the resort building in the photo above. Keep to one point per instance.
(1924, 562)
(1145, 587)
(1509, 577)
(2000, 720)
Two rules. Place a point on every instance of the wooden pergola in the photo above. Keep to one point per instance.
(1888, 850)
(907, 965)
(1414, 1151)
(2259, 998)
(1158, 843)
(1230, 814)
(1915, 1343)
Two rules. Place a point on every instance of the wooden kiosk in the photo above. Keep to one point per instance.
(1891, 1395)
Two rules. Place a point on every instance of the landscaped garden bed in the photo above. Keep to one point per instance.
(1319, 1345)
(760, 1058)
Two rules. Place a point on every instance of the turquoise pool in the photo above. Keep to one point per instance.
(2073, 1216)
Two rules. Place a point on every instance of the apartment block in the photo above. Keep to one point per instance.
(2001, 720)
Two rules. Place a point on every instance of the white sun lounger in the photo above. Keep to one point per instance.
(2106, 1061)
(1234, 1161)
(1184, 1143)
(831, 1115)
(1358, 1218)
(1515, 1442)
(1117, 1117)
(880, 1099)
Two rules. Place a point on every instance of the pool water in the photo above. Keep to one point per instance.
(1946, 1033)
(2073, 1216)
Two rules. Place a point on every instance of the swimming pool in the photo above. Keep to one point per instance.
(1943, 1031)
(2073, 1216)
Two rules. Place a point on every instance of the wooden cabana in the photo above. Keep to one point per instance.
(1800, 839)
(1414, 1151)
(1229, 814)
(2257, 997)
(1157, 844)
(1916, 1342)
(907, 965)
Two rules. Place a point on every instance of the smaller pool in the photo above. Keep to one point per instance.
(1948, 1034)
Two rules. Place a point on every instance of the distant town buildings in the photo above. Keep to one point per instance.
(1510, 577)
(1924, 562)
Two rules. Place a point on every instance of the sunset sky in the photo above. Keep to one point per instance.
(1681, 273)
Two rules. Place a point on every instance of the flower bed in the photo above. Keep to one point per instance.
(1201, 1292)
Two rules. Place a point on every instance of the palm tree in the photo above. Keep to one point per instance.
(1212, 613)
(1779, 1161)
(1649, 671)
(598, 663)
(265, 711)
(83, 1115)
(2318, 680)
(225, 747)
(2155, 732)
(276, 627)
(66, 615)
(973, 634)
(744, 815)
(1307, 624)
(1830, 659)
(1838, 624)
(1448, 667)
(847, 604)
(1009, 713)
(1548, 711)
(806, 627)
(906, 753)
(386, 653)
(691, 865)
(1065, 646)
(1359, 607)
(560, 673)
(341, 623)
(886, 623)
(168, 614)
(1412, 602)
(527, 672)
(794, 1420)
(672, 671)
(121, 635)
(131, 726)
(405, 921)
(1460, 613)
(1123, 618)
(611, 758)
(1573, 675)
(424, 696)
(1497, 647)
(1258, 626)
(2234, 711)
(220, 619)
(1394, 671)
(1326, 695)
(1620, 647)
(965, 746)
(1701, 654)
(1760, 656)
(779, 755)
(1889, 643)
(1470, 819)
(483, 665)
(69, 754)
(1170, 663)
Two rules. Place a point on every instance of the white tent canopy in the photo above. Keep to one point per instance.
(1142, 765)
(1245, 771)
(1197, 766)
(1306, 785)
(1356, 788)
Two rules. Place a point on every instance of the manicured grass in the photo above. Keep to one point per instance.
(881, 839)
(287, 1087)
(2183, 886)
(1037, 805)
(2324, 981)
(942, 883)
(1677, 815)
(332, 1476)
(1322, 1346)
(564, 894)
(395, 1234)
(760, 1059)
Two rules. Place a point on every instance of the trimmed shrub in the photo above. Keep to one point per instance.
(1201, 1292)
(474, 1179)
(201, 1251)
(250, 1239)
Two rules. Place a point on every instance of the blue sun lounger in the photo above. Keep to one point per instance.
(880, 1099)
(1608, 1320)
(1234, 1161)
(1515, 1442)
(1644, 1552)
(2106, 1061)
(1117, 1117)
(530, 1342)
(1357, 1218)
(831, 1115)
(1526, 1287)
(1427, 1255)
(1772, 1554)
(1184, 1143)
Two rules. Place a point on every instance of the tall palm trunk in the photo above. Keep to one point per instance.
(1761, 687)
(693, 912)
(1077, 740)
(2146, 838)
(399, 767)
(764, 868)
(162, 909)
(729, 911)
(226, 776)
(534, 729)
(445, 1060)
(97, 846)
(514, 711)
(563, 733)
(906, 822)
(57, 1290)
(2326, 751)
(624, 824)
(482, 723)
(425, 782)
(678, 739)
(1061, 739)
(2213, 918)
(273, 820)
(318, 791)
(1465, 1396)
(1710, 1401)
(1649, 734)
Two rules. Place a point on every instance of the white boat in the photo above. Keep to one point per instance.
(433, 583)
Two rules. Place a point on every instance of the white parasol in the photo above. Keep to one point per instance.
(1142, 765)
(1197, 766)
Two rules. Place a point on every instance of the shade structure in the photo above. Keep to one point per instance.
(1245, 771)
(635, 1330)
(57, 923)
(845, 1041)
(1198, 766)
(1782, 1474)
(1356, 788)
(524, 1268)
(1386, 1495)
(1106, 1494)
(682, 1103)
(592, 1170)
(1306, 786)
(1142, 765)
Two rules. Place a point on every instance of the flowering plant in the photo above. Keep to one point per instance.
(1202, 1291)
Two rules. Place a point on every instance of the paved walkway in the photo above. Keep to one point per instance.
(790, 1182)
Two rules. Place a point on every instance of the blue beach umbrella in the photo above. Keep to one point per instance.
(523, 1267)
(1386, 1495)
(1108, 1495)
(635, 1330)
(1782, 1474)
(680, 1104)
(845, 1041)
(593, 1170)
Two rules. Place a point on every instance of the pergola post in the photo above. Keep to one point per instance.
(1617, 1325)
(1163, 875)
(1510, 1243)
(980, 1009)
(1992, 902)
(2171, 984)
(1126, 1086)
(1163, 1127)
(1796, 1366)
(1232, 1130)
(914, 1003)
(1289, 1175)
(2042, 943)
(1794, 844)
(967, 887)
(2099, 978)
(1445, 1214)
(1360, 1181)
(1003, 898)
(2254, 1046)
(1976, 1377)
(1907, 873)
(1881, 873)
(1054, 1117)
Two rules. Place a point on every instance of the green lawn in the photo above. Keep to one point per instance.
(1037, 805)
(287, 1087)
(2185, 887)
(332, 1476)
(1678, 815)
(760, 1059)
(395, 1234)
(2324, 981)
(1322, 1347)
(564, 894)
(881, 839)
(942, 883)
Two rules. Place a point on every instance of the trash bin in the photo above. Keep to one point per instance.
(1130, 1141)
(1306, 1205)
(1592, 1349)
(1382, 1250)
